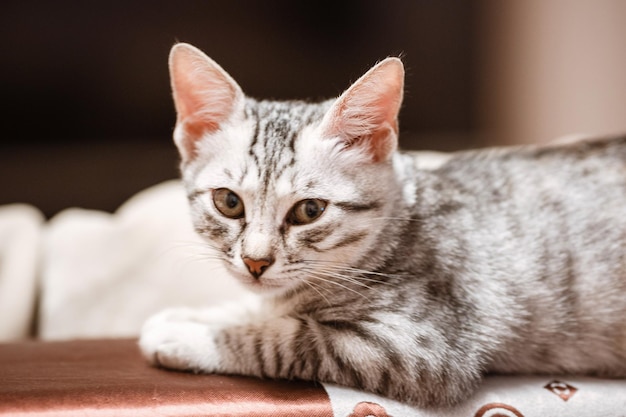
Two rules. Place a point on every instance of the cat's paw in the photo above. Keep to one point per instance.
(172, 315)
(227, 314)
(171, 340)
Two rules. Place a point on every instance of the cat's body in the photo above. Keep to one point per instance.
(383, 273)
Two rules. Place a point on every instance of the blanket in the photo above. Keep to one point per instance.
(103, 274)
(20, 236)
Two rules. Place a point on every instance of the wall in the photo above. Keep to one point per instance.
(87, 112)
(550, 68)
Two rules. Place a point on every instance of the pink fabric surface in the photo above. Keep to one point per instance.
(110, 378)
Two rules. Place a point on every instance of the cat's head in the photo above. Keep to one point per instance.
(286, 192)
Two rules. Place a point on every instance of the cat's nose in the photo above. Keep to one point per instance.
(257, 266)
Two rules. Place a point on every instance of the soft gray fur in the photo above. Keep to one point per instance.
(416, 279)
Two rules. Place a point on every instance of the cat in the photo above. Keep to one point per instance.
(380, 271)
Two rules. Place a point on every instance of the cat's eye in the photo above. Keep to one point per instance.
(306, 211)
(228, 203)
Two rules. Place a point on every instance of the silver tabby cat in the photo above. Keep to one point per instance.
(378, 270)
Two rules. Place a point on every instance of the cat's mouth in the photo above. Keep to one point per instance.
(263, 284)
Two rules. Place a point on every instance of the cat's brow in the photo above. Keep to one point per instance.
(357, 206)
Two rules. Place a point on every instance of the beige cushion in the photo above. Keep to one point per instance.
(104, 274)
(20, 232)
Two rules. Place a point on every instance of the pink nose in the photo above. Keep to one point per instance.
(257, 266)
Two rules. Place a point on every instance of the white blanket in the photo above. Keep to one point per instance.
(20, 234)
(104, 274)
(501, 396)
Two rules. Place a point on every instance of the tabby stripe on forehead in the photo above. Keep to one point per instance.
(292, 142)
(243, 174)
(263, 165)
(228, 173)
(286, 162)
(255, 136)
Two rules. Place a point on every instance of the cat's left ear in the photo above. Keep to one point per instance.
(365, 116)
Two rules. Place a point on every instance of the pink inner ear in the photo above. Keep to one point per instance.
(204, 95)
(381, 146)
(203, 99)
(366, 114)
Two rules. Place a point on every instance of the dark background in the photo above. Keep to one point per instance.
(87, 114)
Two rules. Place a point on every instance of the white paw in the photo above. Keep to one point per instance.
(171, 340)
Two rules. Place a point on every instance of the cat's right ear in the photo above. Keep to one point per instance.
(365, 117)
(205, 96)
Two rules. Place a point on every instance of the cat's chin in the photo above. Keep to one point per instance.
(264, 285)
(265, 288)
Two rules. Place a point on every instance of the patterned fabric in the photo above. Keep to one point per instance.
(502, 396)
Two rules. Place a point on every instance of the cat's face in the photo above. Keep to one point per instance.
(278, 212)
(286, 192)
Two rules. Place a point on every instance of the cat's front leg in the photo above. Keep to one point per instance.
(402, 366)
(182, 338)
(175, 343)
(176, 339)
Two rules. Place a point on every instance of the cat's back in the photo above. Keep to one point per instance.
(563, 200)
(539, 233)
(602, 160)
(557, 201)
(570, 180)
(574, 193)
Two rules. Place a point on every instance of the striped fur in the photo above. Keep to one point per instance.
(413, 281)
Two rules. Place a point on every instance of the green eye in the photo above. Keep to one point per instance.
(306, 211)
(228, 203)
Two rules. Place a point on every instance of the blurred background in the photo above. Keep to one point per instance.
(87, 114)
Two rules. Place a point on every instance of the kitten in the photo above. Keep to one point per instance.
(379, 272)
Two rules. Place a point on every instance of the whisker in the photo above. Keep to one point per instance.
(186, 266)
(316, 275)
(346, 268)
(316, 288)
(186, 253)
(195, 247)
(349, 280)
